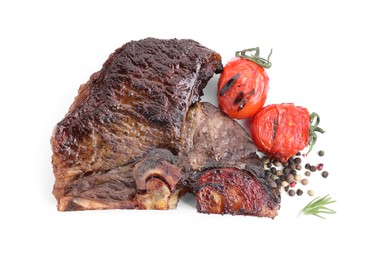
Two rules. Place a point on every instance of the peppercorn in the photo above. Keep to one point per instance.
(297, 177)
(310, 192)
(290, 178)
(265, 160)
(273, 170)
(279, 172)
(307, 173)
(282, 177)
(325, 174)
(269, 165)
(286, 188)
(313, 168)
(304, 181)
(321, 153)
(267, 173)
(320, 166)
(286, 170)
(307, 166)
(299, 192)
(291, 193)
(293, 171)
(277, 163)
(292, 184)
(297, 160)
(298, 154)
(298, 167)
(273, 177)
(284, 184)
(291, 160)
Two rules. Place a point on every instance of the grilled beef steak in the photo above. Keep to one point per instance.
(137, 102)
(221, 166)
(126, 141)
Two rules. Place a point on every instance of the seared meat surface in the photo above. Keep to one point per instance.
(221, 166)
(135, 103)
(130, 140)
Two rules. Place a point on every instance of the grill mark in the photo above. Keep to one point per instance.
(244, 100)
(229, 84)
(275, 128)
(238, 98)
(243, 103)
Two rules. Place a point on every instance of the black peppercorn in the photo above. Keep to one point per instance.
(313, 168)
(325, 174)
(297, 160)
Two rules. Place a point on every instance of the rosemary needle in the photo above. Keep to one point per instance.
(318, 206)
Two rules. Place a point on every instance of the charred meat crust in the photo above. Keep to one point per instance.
(135, 103)
(233, 191)
(130, 140)
(214, 143)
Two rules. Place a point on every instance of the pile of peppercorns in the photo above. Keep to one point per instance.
(286, 175)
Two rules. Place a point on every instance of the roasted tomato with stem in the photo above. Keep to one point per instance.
(243, 84)
(282, 130)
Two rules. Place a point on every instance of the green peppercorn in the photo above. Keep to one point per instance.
(310, 192)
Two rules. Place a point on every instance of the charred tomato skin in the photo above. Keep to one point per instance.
(242, 88)
(281, 130)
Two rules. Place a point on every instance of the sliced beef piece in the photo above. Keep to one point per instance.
(147, 184)
(135, 104)
(233, 191)
(221, 166)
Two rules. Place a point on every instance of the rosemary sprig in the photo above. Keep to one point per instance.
(318, 206)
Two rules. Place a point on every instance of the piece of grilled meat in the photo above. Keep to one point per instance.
(136, 103)
(221, 167)
(126, 141)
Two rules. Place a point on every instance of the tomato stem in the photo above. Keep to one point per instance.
(314, 121)
(265, 63)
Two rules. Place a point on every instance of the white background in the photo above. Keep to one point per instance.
(326, 56)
